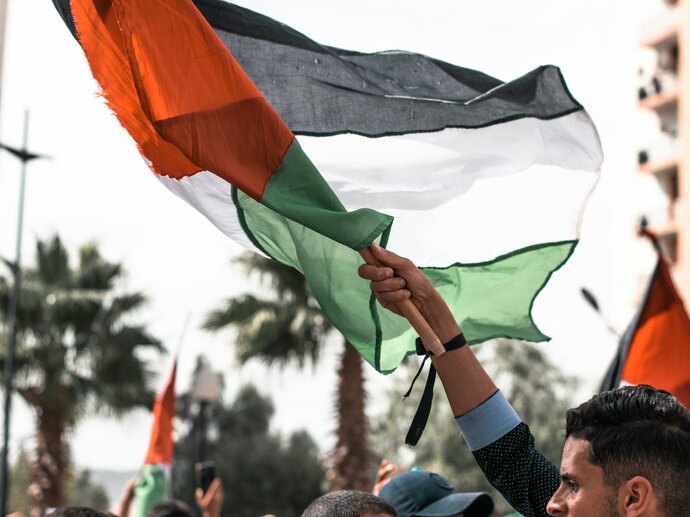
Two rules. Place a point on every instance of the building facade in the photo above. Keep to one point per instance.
(3, 20)
(664, 96)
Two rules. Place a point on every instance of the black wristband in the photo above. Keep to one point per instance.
(457, 342)
(422, 415)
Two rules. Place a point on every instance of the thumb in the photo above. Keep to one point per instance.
(388, 258)
(213, 488)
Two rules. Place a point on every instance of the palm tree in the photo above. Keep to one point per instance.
(290, 327)
(75, 353)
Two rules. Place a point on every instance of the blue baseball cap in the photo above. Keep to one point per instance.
(426, 494)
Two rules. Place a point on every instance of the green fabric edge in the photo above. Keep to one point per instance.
(508, 255)
(375, 312)
(243, 223)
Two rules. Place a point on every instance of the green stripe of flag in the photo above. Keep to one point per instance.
(297, 189)
(490, 299)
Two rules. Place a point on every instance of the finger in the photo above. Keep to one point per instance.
(213, 487)
(384, 473)
(376, 273)
(393, 307)
(384, 286)
(394, 296)
(388, 258)
(199, 496)
(382, 469)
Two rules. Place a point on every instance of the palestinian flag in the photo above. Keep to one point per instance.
(655, 348)
(154, 479)
(487, 180)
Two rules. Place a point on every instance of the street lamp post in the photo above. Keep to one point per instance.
(206, 388)
(25, 157)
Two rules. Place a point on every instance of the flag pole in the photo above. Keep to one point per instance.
(408, 309)
(25, 157)
(12, 323)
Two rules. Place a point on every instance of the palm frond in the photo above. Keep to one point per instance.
(9, 264)
(52, 262)
(278, 335)
(286, 281)
(130, 337)
(73, 307)
(236, 311)
(94, 272)
(288, 327)
(126, 303)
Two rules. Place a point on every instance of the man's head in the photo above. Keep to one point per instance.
(78, 511)
(349, 503)
(421, 493)
(172, 508)
(627, 453)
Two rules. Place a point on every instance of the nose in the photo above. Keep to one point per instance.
(555, 506)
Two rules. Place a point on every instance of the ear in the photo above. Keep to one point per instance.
(638, 496)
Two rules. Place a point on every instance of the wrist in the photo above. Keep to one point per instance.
(438, 315)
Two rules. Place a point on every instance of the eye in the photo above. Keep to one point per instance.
(571, 485)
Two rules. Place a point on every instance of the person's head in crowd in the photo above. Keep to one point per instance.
(349, 503)
(627, 453)
(426, 494)
(173, 508)
(78, 511)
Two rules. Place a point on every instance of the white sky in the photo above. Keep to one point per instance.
(97, 186)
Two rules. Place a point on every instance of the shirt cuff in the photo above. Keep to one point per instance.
(489, 421)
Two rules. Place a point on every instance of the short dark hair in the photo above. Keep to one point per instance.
(174, 508)
(638, 431)
(78, 511)
(348, 503)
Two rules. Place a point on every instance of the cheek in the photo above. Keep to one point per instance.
(589, 503)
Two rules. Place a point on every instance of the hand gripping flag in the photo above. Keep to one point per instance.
(487, 180)
(153, 480)
(655, 348)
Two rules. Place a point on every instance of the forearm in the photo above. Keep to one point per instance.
(124, 505)
(464, 379)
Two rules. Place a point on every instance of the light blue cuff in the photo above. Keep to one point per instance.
(488, 422)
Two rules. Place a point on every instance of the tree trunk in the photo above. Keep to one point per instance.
(50, 464)
(350, 459)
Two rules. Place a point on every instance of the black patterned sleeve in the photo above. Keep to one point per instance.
(519, 472)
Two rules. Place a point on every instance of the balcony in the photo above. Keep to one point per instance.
(660, 153)
(658, 167)
(663, 102)
(661, 30)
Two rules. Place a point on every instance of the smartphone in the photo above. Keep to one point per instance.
(205, 474)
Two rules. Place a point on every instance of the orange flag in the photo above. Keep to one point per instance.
(655, 349)
(161, 442)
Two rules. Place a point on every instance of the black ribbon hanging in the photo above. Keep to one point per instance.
(421, 417)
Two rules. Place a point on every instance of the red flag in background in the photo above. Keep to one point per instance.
(655, 348)
(153, 481)
(161, 442)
